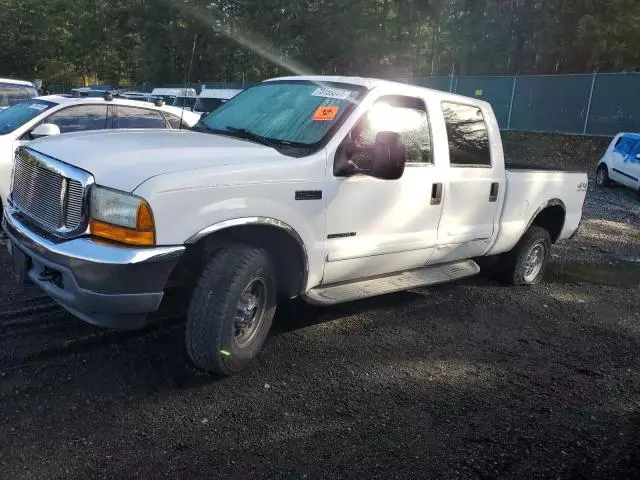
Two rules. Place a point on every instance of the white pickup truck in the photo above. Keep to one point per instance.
(328, 188)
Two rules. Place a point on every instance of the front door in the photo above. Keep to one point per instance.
(625, 161)
(376, 226)
(475, 185)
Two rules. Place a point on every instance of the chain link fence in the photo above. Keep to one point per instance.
(590, 104)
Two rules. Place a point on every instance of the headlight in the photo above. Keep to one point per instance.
(122, 217)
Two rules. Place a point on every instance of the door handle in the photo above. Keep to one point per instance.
(436, 194)
(493, 193)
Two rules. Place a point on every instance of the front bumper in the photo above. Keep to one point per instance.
(103, 284)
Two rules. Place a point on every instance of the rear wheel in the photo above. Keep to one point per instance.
(527, 263)
(602, 176)
(231, 310)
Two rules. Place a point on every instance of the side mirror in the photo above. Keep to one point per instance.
(638, 156)
(389, 156)
(386, 160)
(45, 130)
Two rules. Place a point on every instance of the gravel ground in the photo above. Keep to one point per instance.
(467, 381)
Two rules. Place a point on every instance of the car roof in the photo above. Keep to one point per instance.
(16, 82)
(69, 100)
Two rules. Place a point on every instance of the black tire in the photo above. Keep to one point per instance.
(602, 176)
(514, 269)
(212, 322)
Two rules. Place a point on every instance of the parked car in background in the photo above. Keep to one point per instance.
(211, 98)
(53, 115)
(621, 162)
(187, 102)
(169, 95)
(14, 91)
(88, 92)
(333, 189)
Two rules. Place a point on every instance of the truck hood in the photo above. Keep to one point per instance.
(124, 159)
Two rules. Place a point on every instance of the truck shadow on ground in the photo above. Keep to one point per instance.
(471, 378)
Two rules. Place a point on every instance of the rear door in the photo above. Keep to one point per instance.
(631, 167)
(475, 185)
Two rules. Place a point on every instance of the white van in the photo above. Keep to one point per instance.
(212, 98)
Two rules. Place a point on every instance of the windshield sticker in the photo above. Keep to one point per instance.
(337, 93)
(38, 106)
(325, 114)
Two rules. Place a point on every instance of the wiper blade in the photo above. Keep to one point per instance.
(202, 127)
(249, 135)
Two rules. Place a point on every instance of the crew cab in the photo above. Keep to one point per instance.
(331, 189)
(54, 114)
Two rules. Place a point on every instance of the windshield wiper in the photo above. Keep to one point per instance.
(249, 135)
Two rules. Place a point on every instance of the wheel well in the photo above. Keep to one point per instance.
(286, 251)
(552, 220)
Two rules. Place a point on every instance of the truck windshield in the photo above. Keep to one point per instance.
(16, 116)
(297, 113)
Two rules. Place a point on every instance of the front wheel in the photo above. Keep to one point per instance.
(527, 263)
(231, 310)
(602, 176)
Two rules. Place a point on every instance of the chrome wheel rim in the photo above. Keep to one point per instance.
(249, 312)
(600, 177)
(534, 261)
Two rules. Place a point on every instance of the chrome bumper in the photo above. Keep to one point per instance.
(103, 284)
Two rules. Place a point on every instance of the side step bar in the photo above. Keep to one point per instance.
(396, 282)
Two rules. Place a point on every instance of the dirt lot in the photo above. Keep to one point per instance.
(471, 381)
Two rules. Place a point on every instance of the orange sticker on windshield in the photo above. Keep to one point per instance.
(325, 114)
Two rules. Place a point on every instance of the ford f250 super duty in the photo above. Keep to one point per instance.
(328, 188)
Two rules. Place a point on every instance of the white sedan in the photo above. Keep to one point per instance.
(54, 115)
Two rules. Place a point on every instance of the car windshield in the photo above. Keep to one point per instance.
(16, 116)
(295, 112)
(11, 94)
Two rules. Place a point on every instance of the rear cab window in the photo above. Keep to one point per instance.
(467, 134)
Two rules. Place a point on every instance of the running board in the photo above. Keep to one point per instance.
(396, 282)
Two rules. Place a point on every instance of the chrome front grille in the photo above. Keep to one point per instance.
(73, 205)
(49, 192)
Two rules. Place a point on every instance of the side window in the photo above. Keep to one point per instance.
(173, 120)
(80, 118)
(133, 117)
(404, 115)
(468, 135)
